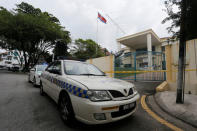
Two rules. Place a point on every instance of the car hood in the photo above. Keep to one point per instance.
(102, 82)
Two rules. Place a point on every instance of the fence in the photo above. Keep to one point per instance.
(140, 66)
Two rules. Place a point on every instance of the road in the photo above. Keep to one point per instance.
(23, 109)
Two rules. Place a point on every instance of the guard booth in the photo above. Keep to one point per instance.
(142, 59)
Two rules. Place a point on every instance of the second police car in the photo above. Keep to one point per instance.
(83, 92)
(35, 73)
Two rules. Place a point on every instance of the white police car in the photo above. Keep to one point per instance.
(35, 73)
(83, 92)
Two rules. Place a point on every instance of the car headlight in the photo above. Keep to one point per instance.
(98, 95)
(134, 90)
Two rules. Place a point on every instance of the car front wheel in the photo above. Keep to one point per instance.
(66, 110)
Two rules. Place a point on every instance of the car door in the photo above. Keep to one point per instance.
(57, 79)
(46, 81)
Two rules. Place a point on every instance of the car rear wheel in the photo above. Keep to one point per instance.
(34, 82)
(29, 79)
(66, 110)
(42, 93)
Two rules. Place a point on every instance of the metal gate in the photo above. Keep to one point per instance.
(140, 66)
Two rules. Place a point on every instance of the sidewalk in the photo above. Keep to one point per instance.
(187, 112)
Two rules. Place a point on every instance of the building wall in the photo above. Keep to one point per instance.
(132, 58)
(128, 59)
(191, 61)
(105, 64)
(158, 48)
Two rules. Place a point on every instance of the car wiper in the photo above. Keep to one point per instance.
(89, 74)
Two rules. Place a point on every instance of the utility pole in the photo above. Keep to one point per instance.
(182, 46)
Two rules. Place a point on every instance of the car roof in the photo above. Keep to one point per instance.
(74, 61)
(40, 65)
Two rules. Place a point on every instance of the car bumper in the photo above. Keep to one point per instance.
(86, 109)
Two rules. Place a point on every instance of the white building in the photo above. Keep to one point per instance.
(145, 47)
(9, 58)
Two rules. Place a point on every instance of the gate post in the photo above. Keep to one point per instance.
(135, 68)
(168, 57)
(111, 65)
(164, 65)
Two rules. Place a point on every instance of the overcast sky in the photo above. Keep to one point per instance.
(80, 17)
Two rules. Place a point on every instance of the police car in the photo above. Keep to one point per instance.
(85, 93)
(35, 73)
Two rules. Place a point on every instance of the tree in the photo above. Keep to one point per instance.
(191, 19)
(61, 47)
(30, 31)
(47, 56)
(185, 19)
(175, 17)
(85, 49)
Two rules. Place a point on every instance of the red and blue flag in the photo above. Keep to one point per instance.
(101, 18)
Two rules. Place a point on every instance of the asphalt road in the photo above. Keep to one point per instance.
(23, 109)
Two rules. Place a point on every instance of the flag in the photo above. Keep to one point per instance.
(101, 18)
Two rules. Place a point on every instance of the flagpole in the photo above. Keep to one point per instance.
(96, 33)
(116, 24)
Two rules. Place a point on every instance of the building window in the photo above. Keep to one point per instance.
(145, 49)
(142, 49)
(127, 65)
(153, 48)
(127, 54)
(163, 48)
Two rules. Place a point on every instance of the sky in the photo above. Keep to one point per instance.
(80, 17)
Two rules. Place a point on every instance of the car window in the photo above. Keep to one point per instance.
(57, 67)
(50, 67)
(41, 67)
(78, 68)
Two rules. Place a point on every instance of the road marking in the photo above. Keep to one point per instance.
(162, 121)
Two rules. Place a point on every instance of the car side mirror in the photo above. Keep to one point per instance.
(104, 74)
(58, 72)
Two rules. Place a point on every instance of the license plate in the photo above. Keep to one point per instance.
(128, 106)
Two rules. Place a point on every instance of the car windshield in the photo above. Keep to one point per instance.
(78, 68)
(41, 67)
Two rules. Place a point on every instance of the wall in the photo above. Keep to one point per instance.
(191, 61)
(106, 64)
(158, 48)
